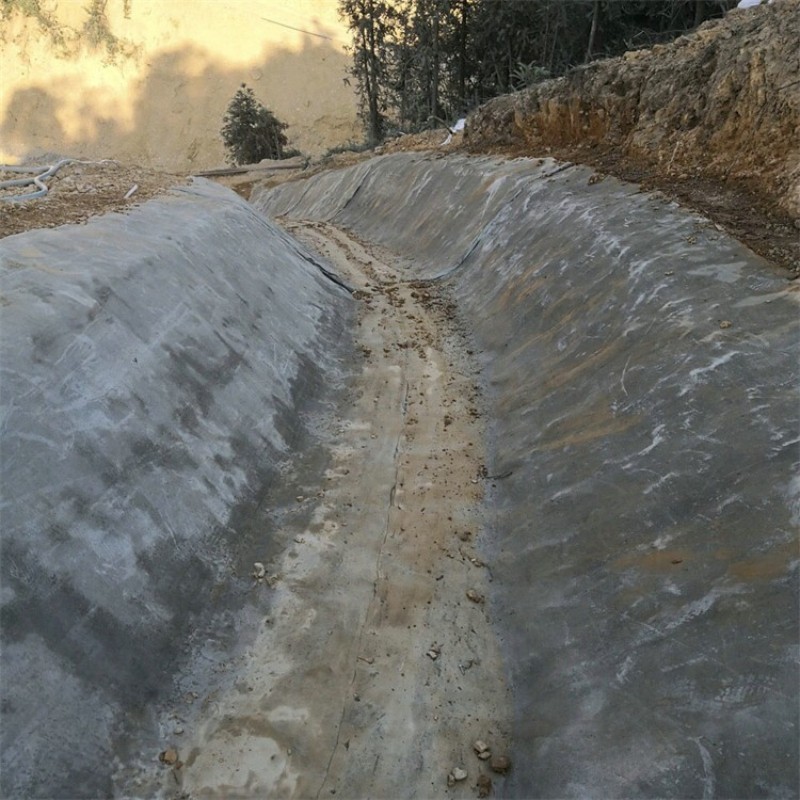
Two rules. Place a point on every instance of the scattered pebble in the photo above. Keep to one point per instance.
(259, 571)
(459, 774)
(475, 596)
(725, 323)
(168, 756)
(484, 785)
(501, 764)
(480, 747)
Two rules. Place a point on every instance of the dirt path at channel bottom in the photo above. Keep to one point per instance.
(378, 669)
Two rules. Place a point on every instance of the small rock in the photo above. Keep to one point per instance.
(484, 785)
(259, 571)
(480, 746)
(450, 779)
(501, 764)
(299, 498)
(434, 652)
(725, 323)
(485, 756)
(459, 774)
(168, 756)
(475, 596)
(179, 729)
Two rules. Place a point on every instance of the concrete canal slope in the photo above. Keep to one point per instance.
(603, 579)
(641, 374)
(160, 372)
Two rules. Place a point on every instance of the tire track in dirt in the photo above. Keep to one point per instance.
(378, 668)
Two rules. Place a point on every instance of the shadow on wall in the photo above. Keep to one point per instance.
(172, 117)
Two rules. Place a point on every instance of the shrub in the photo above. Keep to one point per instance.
(250, 131)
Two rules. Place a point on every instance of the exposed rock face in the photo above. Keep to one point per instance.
(721, 102)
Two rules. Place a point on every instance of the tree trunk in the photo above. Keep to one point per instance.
(592, 31)
(699, 12)
(434, 101)
(462, 58)
(373, 87)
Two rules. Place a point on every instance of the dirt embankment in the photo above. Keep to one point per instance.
(713, 117)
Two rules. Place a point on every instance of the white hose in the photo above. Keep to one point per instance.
(42, 173)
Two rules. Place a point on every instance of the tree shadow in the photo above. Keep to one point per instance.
(171, 118)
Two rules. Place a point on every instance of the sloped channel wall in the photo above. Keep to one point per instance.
(641, 373)
(159, 370)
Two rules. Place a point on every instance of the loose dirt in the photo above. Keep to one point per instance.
(79, 191)
(377, 670)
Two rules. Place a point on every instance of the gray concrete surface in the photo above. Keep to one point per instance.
(641, 373)
(162, 372)
(166, 380)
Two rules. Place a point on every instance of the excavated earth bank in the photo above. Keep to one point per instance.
(470, 449)
(722, 102)
(712, 120)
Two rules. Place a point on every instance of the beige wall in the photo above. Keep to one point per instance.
(159, 100)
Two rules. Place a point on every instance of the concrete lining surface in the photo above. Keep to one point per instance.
(161, 371)
(641, 370)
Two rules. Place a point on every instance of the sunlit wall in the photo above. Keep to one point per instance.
(148, 81)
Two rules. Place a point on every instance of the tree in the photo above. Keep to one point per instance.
(250, 131)
(372, 24)
(418, 62)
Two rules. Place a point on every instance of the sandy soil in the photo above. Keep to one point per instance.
(378, 669)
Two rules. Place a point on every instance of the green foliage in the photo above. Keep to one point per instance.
(526, 75)
(34, 10)
(347, 147)
(417, 62)
(252, 132)
(95, 32)
(372, 24)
